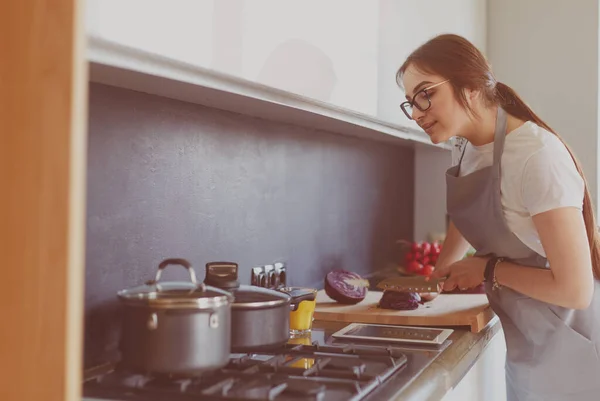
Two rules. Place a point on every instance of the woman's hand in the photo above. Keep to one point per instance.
(454, 248)
(464, 274)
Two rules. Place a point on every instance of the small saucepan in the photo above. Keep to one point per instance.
(175, 327)
(260, 317)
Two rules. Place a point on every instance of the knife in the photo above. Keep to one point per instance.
(411, 284)
(357, 282)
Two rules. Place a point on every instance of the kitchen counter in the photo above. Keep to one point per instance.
(444, 373)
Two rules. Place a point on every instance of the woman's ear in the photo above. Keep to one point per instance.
(471, 95)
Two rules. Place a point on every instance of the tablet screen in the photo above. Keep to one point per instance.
(398, 333)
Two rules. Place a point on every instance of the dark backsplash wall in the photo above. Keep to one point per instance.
(172, 179)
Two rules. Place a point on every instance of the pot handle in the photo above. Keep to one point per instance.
(213, 315)
(180, 262)
(299, 296)
(152, 323)
(213, 318)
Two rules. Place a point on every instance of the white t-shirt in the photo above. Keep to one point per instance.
(537, 175)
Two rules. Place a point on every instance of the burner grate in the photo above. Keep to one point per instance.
(292, 373)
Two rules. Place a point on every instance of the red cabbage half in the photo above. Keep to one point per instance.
(339, 290)
(399, 300)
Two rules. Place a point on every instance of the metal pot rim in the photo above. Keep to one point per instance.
(190, 303)
(173, 295)
(260, 305)
(253, 297)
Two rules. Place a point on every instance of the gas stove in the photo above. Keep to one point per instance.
(307, 368)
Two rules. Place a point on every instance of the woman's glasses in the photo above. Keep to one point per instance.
(420, 100)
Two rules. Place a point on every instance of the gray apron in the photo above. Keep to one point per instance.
(552, 352)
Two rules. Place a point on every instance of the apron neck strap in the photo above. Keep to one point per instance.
(499, 135)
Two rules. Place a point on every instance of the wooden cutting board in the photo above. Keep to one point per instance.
(472, 310)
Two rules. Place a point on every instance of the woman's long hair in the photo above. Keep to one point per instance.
(455, 58)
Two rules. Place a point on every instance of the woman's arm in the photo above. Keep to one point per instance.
(570, 281)
(454, 249)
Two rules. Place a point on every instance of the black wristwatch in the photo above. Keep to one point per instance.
(490, 267)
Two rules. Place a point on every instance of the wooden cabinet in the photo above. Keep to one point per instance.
(42, 202)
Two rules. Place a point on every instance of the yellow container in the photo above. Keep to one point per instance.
(301, 319)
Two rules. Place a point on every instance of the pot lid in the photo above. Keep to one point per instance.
(176, 294)
(249, 296)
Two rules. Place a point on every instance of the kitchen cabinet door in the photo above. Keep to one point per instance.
(42, 207)
(179, 29)
(341, 52)
(326, 51)
(485, 380)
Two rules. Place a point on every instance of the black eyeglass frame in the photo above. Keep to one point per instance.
(410, 103)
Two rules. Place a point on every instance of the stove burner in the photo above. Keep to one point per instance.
(291, 373)
(164, 383)
(305, 389)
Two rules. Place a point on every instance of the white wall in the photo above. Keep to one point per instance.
(547, 50)
(430, 193)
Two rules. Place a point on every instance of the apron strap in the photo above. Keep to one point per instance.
(499, 136)
(462, 154)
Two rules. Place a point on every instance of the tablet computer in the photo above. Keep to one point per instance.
(393, 333)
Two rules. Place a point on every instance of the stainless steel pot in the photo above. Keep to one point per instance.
(260, 317)
(175, 327)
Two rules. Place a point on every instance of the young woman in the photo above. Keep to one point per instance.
(518, 196)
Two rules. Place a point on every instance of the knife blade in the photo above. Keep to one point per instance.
(357, 282)
(411, 284)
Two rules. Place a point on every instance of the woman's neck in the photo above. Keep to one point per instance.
(484, 127)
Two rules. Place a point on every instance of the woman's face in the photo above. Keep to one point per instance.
(445, 117)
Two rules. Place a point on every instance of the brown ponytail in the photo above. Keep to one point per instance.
(510, 101)
(457, 59)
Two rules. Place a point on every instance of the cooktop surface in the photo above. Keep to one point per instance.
(314, 367)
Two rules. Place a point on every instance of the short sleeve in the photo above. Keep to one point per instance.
(551, 180)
